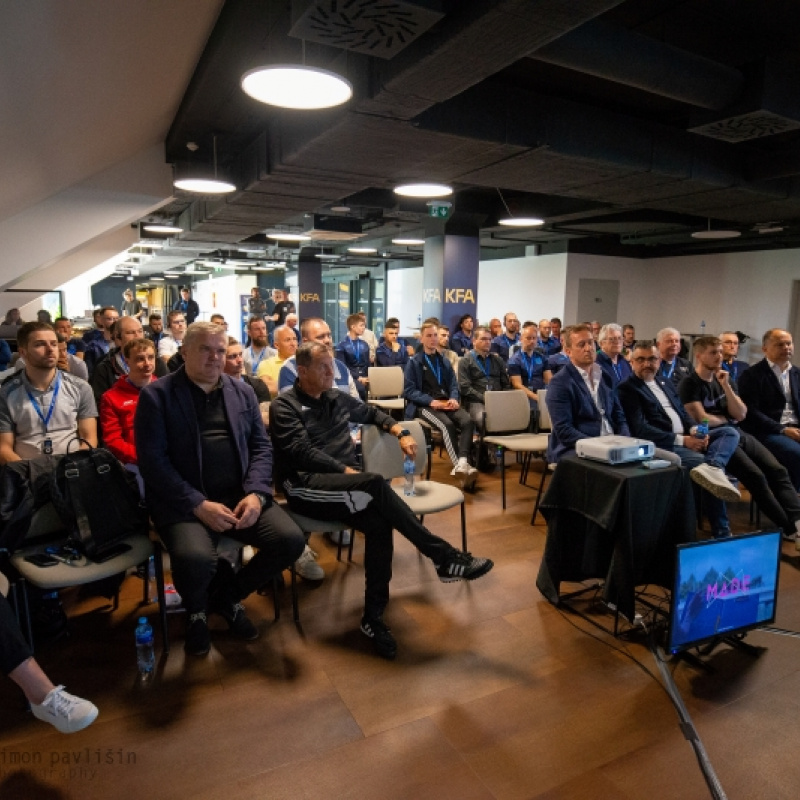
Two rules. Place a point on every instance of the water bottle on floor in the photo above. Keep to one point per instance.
(145, 655)
(409, 467)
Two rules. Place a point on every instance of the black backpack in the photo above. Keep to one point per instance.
(97, 499)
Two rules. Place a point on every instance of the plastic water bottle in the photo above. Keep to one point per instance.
(145, 655)
(702, 327)
(702, 429)
(409, 467)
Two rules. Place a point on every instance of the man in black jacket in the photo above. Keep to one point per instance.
(771, 392)
(317, 468)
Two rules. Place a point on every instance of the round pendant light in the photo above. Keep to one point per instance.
(295, 86)
(521, 222)
(431, 190)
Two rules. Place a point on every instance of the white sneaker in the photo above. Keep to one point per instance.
(64, 711)
(339, 537)
(462, 467)
(307, 567)
(713, 480)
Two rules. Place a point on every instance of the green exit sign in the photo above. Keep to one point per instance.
(439, 210)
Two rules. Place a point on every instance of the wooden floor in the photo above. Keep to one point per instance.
(494, 694)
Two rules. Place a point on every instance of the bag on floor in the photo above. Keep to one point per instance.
(97, 500)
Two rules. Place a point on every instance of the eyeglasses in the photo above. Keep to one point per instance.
(648, 359)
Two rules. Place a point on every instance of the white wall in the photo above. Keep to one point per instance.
(404, 296)
(532, 286)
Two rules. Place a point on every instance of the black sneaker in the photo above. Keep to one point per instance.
(463, 567)
(385, 644)
(198, 642)
(236, 617)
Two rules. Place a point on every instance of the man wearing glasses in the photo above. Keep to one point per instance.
(654, 412)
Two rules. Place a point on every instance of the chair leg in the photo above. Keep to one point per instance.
(352, 542)
(539, 495)
(158, 563)
(503, 475)
(464, 526)
(295, 602)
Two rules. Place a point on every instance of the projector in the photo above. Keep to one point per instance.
(615, 449)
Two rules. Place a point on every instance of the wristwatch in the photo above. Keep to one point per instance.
(404, 432)
(262, 498)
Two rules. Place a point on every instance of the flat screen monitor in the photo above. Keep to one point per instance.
(723, 587)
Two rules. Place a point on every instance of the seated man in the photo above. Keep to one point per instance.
(75, 346)
(528, 369)
(559, 359)
(771, 390)
(65, 712)
(628, 340)
(234, 366)
(99, 346)
(548, 343)
(479, 372)
(673, 367)
(353, 352)
(219, 319)
(269, 370)
(318, 470)
(367, 336)
(170, 343)
(154, 330)
(443, 347)
(655, 413)
(41, 408)
(118, 403)
(392, 351)
(580, 398)
(315, 329)
(731, 365)
(69, 363)
(461, 340)
(114, 365)
(610, 356)
(431, 392)
(206, 462)
(258, 350)
(495, 327)
(502, 344)
(708, 394)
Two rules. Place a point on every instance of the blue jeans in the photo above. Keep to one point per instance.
(713, 507)
(722, 444)
(787, 451)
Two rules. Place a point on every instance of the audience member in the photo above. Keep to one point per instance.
(13, 318)
(5, 354)
(256, 305)
(673, 367)
(771, 391)
(461, 340)
(354, 353)
(495, 327)
(187, 306)
(628, 340)
(171, 342)
(548, 343)
(610, 357)
(556, 329)
(97, 331)
(75, 346)
(69, 363)
(655, 413)
(224, 486)
(444, 346)
(234, 366)
(97, 348)
(431, 392)
(41, 408)
(269, 370)
(118, 404)
(318, 470)
(730, 349)
(501, 344)
(154, 329)
(707, 394)
(367, 336)
(131, 307)
(291, 323)
(218, 319)
(580, 398)
(258, 350)
(528, 369)
(392, 351)
(480, 371)
(558, 360)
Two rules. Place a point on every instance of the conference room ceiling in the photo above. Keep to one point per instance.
(626, 126)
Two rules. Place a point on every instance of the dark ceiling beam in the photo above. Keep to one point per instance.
(615, 54)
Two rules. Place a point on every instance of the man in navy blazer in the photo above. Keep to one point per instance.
(655, 413)
(206, 462)
(771, 392)
(580, 398)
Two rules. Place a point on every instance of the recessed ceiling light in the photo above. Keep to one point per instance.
(717, 234)
(204, 185)
(286, 236)
(423, 190)
(340, 209)
(521, 222)
(299, 87)
(158, 227)
(408, 241)
(362, 250)
(157, 279)
(172, 275)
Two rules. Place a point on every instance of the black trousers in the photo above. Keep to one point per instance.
(368, 503)
(13, 647)
(457, 428)
(193, 552)
(766, 480)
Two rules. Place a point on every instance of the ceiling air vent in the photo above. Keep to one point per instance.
(374, 27)
(747, 126)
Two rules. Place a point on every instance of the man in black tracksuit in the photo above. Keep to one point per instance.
(317, 468)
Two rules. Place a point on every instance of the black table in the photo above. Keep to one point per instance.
(617, 523)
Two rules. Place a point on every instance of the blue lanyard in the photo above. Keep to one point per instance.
(671, 369)
(45, 419)
(123, 364)
(527, 360)
(485, 367)
(731, 369)
(509, 342)
(617, 370)
(260, 358)
(436, 370)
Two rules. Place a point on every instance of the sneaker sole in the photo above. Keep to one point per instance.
(727, 493)
(478, 573)
(469, 481)
(315, 578)
(388, 654)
